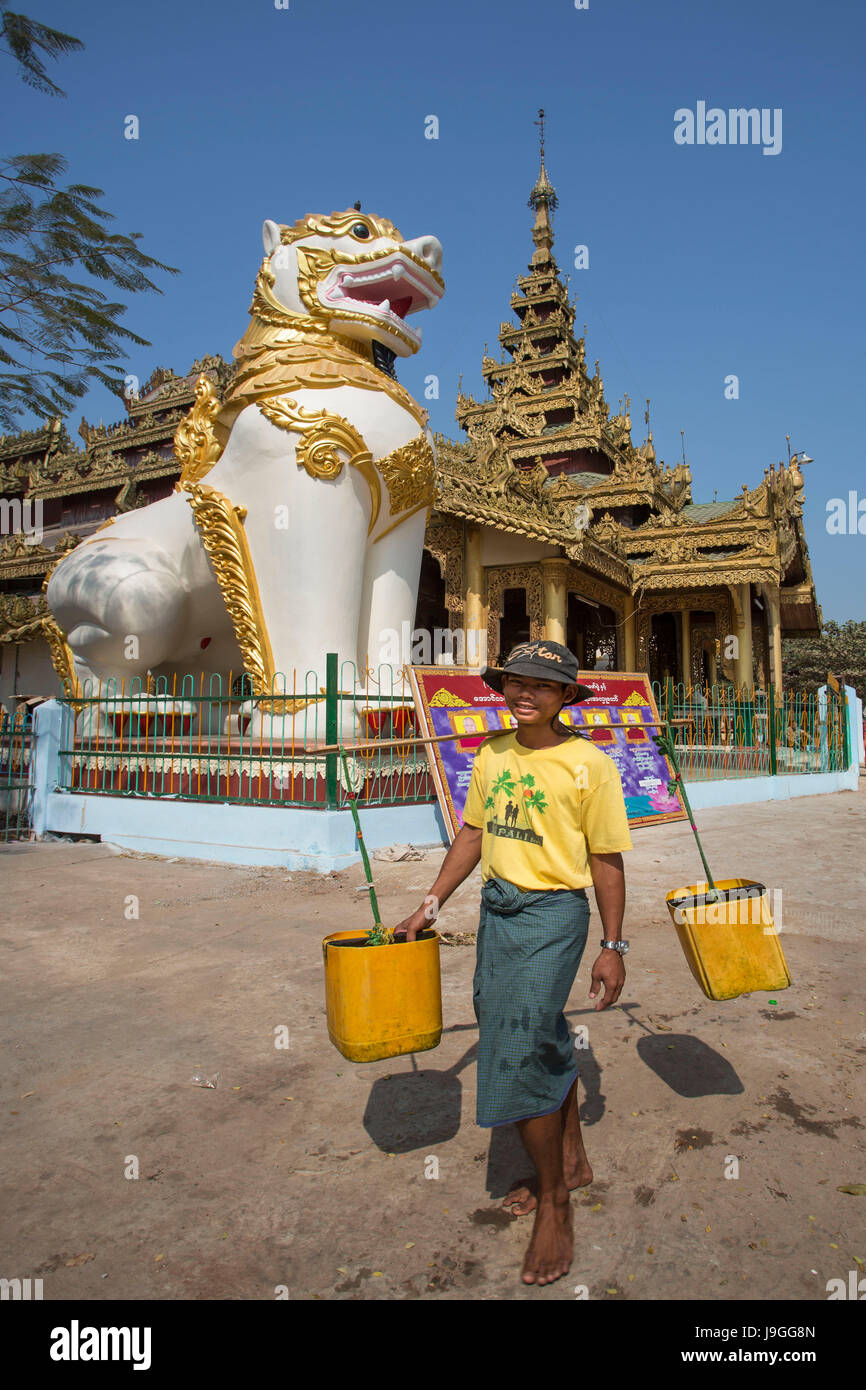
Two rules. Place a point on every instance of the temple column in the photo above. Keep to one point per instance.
(686, 638)
(774, 624)
(628, 629)
(742, 611)
(473, 598)
(554, 573)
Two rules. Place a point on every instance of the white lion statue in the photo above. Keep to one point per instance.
(297, 525)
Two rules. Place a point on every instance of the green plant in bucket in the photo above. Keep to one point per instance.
(380, 935)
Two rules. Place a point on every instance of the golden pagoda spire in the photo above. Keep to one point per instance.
(543, 201)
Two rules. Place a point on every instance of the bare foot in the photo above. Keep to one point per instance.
(551, 1246)
(524, 1196)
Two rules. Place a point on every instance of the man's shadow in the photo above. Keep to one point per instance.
(508, 1162)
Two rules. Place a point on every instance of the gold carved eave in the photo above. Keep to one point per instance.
(591, 556)
(692, 538)
(521, 401)
(102, 477)
(21, 620)
(178, 391)
(487, 514)
(532, 363)
(554, 326)
(21, 569)
(71, 487)
(560, 356)
(18, 560)
(28, 632)
(675, 600)
(516, 513)
(10, 569)
(153, 466)
(797, 593)
(558, 397)
(533, 437)
(173, 395)
(531, 289)
(670, 576)
(134, 435)
(579, 436)
(795, 602)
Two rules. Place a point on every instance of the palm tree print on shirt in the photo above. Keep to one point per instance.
(521, 796)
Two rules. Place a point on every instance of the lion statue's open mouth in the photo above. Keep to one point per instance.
(356, 275)
(392, 286)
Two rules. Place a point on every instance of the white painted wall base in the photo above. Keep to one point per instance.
(737, 791)
(282, 837)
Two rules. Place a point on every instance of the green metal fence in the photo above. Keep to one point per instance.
(731, 731)
(16, 745)
(210, 739)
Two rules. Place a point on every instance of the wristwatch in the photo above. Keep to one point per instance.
(620, 946)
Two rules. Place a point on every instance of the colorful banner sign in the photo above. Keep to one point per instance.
(621, 720)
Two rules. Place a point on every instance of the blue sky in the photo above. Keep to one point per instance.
(705, 261)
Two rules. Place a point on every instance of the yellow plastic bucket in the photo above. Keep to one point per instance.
(732, 946)
(382, 1001)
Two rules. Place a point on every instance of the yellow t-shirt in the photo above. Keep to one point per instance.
(543, 810)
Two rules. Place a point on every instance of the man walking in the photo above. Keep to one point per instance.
(566, 828)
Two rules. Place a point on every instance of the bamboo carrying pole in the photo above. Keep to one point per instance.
(665, 744)
(363, 848)
(440, 738)
(395, 742)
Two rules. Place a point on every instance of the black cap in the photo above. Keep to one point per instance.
(544, 661)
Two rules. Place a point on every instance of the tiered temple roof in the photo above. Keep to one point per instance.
(543, 456)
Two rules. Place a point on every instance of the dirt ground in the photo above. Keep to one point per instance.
(307, 1176)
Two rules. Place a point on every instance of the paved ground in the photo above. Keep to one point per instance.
(310, 1172)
